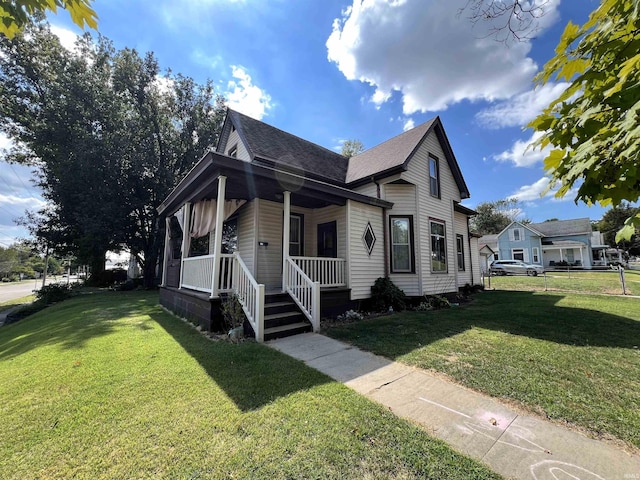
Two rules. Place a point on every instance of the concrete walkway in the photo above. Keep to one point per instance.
(513, 445)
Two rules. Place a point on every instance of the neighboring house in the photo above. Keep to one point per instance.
(552, 244)
(268, 212)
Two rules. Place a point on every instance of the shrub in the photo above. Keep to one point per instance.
(107, 278)
(386, 294)
(232, 313)
(350, 316)
(438, 302)
(54, 292)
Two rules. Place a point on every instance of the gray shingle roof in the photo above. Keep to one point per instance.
(563, 227)
(284, 149)
(392, 153)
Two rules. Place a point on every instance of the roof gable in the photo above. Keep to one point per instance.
(524, 225)
(271, 146)
(397, 152)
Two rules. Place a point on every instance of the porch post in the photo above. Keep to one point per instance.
(217, 237)
(186, 238)
(560, 254)
(581, 258)
(165, 259)
(286, 232)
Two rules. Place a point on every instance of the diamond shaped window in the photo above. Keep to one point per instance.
(369, 238)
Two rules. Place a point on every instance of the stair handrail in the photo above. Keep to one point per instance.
(304, 292)
(250, 294)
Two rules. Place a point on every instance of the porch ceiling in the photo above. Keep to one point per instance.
(248, 181)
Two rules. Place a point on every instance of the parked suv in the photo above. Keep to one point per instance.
(514, 267)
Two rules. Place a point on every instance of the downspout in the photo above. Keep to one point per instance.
(385, 233)
(470, 254)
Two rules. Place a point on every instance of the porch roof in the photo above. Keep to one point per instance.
(248, 181)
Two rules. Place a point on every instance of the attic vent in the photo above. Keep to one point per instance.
(369, 238)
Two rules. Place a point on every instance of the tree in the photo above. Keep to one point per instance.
(493, 217)
(613, 220)
(512, 19)
(594, 126)
(351, 148)
(15, 14)
(110, 135)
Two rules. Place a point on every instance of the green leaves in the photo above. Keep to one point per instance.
(14, 14)
(595, 124)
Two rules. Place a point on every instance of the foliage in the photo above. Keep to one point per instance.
(351, 148)
(613, 220)
(385, 294)
(232, 312)
(350, 316)
(107, 278)
(54, 292)
(20, 259)
(493, 217)
(14, 14)
(433, 302)
(594, 126)
(110, 135)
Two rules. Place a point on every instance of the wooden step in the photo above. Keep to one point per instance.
(286, 330)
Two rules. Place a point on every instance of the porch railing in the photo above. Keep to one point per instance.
(304, 291)
(329, 272)
(197, 273)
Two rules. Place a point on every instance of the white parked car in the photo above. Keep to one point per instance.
(515, 267)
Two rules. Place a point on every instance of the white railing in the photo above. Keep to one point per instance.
(304, 291)
(330, 272)
(197, 273)
(250, 295)
(227, 269)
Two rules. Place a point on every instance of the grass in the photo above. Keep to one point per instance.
(572, 357)
(110, 386)
(592, 282)
(16, 302)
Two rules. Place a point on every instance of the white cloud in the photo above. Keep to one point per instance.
(66, 36)
(244, 96)
(408, 125)
(5, 143)
(528, 193)
(522, 155)
(427, 52)
(521, 109)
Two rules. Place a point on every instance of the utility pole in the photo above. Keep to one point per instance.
(46, 265)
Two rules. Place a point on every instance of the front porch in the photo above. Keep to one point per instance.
(275, 214)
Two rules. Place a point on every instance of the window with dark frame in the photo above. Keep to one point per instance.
(402, 258)
(517, 254)
(434, 177)
(369, 238)
(233, 151)
(438, 246)
(460, 252)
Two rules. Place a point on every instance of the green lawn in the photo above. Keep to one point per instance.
(572, 357)
(587, 281)
(110, 386)
(15, 302)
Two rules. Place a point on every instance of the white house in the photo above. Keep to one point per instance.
(299, 231)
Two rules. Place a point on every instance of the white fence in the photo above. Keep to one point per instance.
(329, 272)
(304, 291)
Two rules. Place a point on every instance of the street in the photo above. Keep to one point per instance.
(10, 291)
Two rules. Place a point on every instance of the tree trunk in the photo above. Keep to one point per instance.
(150, 275)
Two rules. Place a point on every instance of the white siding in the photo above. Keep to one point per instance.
(363, 268)
(475, 261)
(269, 229)
(463, 277)
(437, 208)
(234, 140)
(247, 232)
(403, 197)
(369, 189)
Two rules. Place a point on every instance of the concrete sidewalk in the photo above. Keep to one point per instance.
(513, 445)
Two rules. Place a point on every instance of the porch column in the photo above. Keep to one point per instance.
(186, 238)
(560, 254)
(217, 237)
(286, 232)
(581, 258)
(165, 259)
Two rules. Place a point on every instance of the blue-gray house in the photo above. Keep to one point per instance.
(553, 243)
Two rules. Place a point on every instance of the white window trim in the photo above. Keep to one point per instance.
(444, 237)
(535, 251)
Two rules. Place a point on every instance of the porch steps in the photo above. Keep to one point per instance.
(282, 317)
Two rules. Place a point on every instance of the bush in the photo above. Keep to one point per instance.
(350, 316)
(54, 292)
(232, 312)
(386, 294)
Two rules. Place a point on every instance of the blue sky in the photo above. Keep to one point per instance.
(362, 69)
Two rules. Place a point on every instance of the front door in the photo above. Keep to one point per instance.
(327, 240)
